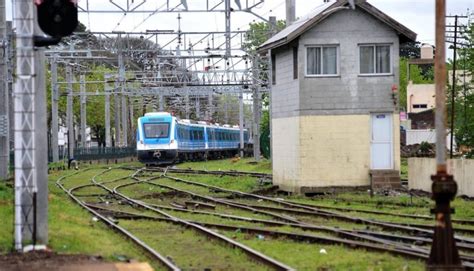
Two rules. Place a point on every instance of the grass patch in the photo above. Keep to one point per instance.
(71, 229)
(304, 256)
(246, 164)
(189, 249)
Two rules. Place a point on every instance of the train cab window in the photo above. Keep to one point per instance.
(156, 130)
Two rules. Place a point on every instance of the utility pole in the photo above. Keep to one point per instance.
(4, 98)
(198, 108)
(444, 253)
(210, 107)
(70, 113)
(40, 198)
(24, 114)
(118, 140)
(228, 11)
(108, 138)
(162, 103)
(124, 111)
(453, 87)
(132, 120)
(54, 109)
(83, 111)
(241, 121)
(186, 100)
(256, 112)
(226, 110)
(454, 81)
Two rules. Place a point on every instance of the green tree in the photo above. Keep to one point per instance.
(256, 36)
(464, 94)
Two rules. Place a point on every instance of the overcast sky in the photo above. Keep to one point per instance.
(418, 15)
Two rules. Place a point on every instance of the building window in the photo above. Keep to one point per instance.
(420, 106)
(375, 59)
(295, 62)
(321, 60)
(273, 69)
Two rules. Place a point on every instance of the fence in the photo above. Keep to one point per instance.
(85, 154)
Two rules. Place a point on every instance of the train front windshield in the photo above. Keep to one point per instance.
(156, 130)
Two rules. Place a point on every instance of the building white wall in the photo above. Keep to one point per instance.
(421, 169)
(420, 94)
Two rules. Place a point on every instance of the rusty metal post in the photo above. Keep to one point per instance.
(444, 253)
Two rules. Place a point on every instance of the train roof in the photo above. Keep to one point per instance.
(157, 114)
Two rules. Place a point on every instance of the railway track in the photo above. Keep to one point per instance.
(278, 214)
(256, 255)
(293, 207)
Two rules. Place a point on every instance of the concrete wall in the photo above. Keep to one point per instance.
(331, 156)
(285, 93)
(286, 152)
(421, 169)
(350, 92)
(420, 94)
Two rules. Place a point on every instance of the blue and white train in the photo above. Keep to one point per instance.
(164, 139)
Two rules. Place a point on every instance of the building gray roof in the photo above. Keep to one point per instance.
(322, 12)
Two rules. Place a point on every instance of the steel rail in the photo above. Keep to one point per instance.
(249, 251)
(210, 172)
(423, 217)
(388, 247)
(168, 264)
(313, 211)
(348, 234)
(386, 225)
(222, 202)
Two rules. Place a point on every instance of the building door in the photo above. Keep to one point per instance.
(381, 147)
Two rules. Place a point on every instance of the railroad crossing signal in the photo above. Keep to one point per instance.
(57, 18)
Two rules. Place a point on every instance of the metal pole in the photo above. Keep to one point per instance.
(117, 116)
(186, 100)
(210, 108)
(444, 254)
(83, 111)
(24, 113)
(226, 109)
(124, 111)
(4, 99)
(70, 113)
(241, 121)
(228, 48)
(453, 88)
(41, 141)
(124, 121)
(54, 109)
(162, 103)
(108, 138)
(198, 108)
(256, 113)
(132, 120)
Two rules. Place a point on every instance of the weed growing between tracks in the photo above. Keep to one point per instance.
(188, 249)
(301, 255)
(246, 164)
(71, 229)
(305, 256)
